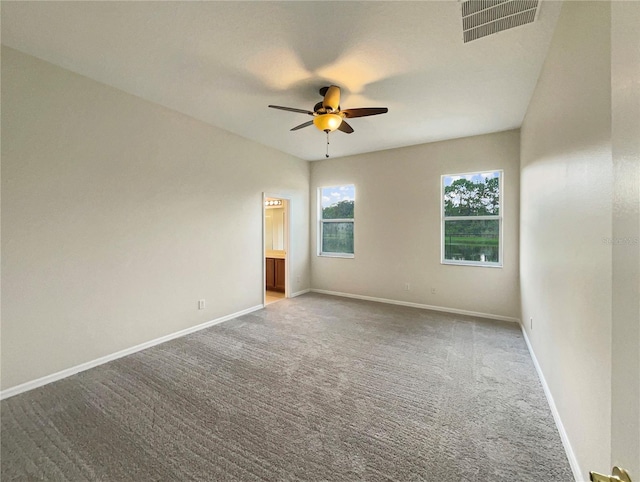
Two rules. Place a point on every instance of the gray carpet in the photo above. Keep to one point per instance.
(313, 388)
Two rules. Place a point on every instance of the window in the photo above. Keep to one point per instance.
(336, 220)
(472, 219)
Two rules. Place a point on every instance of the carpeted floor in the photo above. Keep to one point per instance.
(312, 388)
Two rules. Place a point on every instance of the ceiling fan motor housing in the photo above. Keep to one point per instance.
(331, 101)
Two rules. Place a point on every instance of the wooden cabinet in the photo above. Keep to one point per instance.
(275, 274)
(279, 275)
(270, 282)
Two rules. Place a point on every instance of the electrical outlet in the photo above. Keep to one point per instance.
(201, 304)
(531, 323)
(407, 286)
(433, 291)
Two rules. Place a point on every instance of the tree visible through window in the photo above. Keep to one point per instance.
(337, 205)
(472, 218)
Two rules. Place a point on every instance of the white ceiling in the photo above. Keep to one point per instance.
(224, 62)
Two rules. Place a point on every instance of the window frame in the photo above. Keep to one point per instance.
(321, 222)
(499, 217)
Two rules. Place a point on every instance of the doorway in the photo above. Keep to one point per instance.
(276, 248)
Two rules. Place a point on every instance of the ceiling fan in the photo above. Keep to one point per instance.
(328, 116)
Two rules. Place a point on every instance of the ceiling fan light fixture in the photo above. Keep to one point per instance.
(327, 122)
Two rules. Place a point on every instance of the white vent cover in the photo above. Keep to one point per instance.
(485, 17)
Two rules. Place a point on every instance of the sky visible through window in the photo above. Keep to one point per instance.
(335, 194)
(475, 177)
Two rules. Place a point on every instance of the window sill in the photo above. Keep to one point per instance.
(336, 255)
(471, 263)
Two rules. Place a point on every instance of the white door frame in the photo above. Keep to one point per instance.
(287, 244)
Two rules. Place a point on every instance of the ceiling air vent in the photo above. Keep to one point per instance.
(485, 17)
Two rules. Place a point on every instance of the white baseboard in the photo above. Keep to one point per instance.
(573, 461)
(298, 293)
(24, 387)
(419, 305)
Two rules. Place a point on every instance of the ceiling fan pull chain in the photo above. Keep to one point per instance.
(327, 154)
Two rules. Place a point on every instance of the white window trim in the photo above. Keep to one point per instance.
(320, 228)
(499, 217)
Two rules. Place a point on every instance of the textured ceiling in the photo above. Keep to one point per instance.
(224, 62)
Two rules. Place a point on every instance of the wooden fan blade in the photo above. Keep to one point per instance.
(365, 111)
(332, 98)
(344, 127)
(306, 124)
(291, 109)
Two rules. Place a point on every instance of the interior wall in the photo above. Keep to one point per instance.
(625, 141)
(566, 222)
(118, 215)
(397, 226)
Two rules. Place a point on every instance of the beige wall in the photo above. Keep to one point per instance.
(118, 215)
(625, 140)
(565, 218)
(397, 226)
